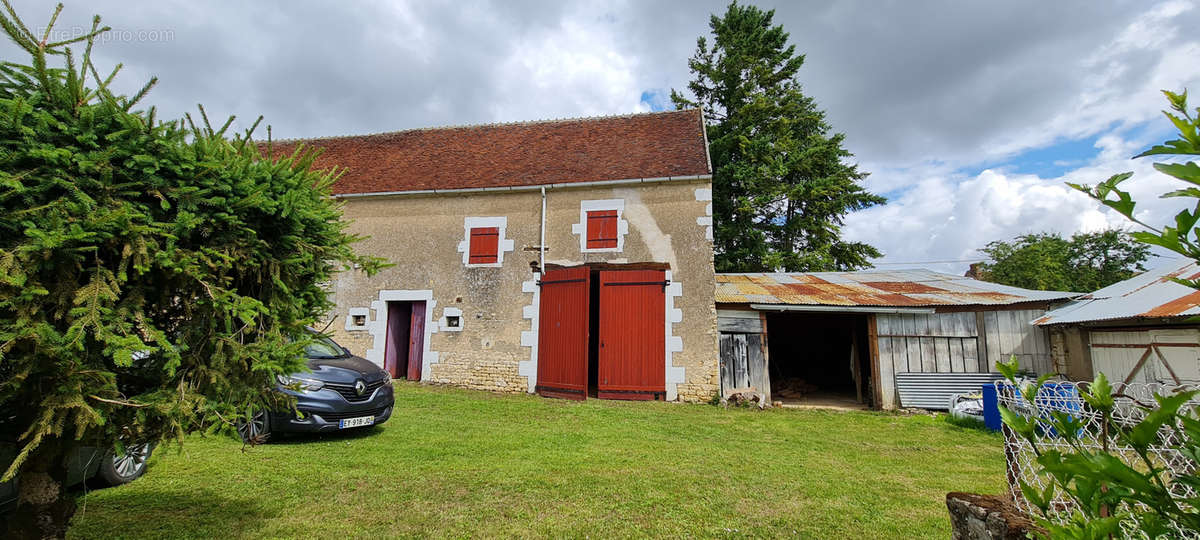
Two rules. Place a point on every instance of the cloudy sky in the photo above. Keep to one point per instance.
(969, 115)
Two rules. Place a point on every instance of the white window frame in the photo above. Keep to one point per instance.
(598, 205)
(365, 313)
(451, 312)
(503, 244)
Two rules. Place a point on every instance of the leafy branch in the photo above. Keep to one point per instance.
(1182, 236)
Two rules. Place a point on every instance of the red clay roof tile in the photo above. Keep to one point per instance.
(648, 145)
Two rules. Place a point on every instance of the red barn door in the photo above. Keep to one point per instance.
(632, 335)
(416, 341)
(563, 333)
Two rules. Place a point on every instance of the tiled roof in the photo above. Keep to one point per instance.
(651, 145)
(896, 288)
(1151, 294)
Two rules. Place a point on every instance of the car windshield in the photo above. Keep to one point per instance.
(323, 347)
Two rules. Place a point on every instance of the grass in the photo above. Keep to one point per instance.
(461, 463)
(964, 422)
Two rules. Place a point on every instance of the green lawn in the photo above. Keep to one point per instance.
(461, 463)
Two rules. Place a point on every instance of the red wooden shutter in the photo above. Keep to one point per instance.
(601, 229)
(562, 366)
(632, 357)
(485, 242)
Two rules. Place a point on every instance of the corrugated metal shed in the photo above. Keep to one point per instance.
(896, 288)
(1151, 294)
(933, 390)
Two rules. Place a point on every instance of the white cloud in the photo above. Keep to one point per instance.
(939, 215)
(948, 217)
(573, 69)
(922, 91)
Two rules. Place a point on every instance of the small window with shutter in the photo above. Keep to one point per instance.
(602, 229)
(485, 243)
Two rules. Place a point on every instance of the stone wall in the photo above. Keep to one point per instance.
(987, 517)
(666, 222)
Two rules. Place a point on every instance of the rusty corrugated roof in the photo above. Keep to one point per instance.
(1151, 294)
(897, 288)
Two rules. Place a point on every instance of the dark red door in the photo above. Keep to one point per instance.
(632, 337)
(395, 352)
(563, 333)
(416, 341)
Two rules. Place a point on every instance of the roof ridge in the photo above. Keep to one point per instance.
(452, 127)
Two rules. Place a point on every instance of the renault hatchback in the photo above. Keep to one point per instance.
(342, 391)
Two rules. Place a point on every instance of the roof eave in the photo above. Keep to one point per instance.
(530, 187)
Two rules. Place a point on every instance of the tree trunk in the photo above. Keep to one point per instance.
(44, 507)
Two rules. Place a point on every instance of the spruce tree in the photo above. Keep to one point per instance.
(781, 181)
(153, 275)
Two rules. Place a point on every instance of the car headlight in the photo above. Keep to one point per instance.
(291, 382)
(387, 377)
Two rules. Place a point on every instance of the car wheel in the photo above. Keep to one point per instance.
(257, 430)
(124, 467)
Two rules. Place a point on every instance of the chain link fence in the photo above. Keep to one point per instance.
(1132, 402)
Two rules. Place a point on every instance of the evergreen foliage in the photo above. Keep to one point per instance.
(151, 272)
(781, 182)
(1049, 262)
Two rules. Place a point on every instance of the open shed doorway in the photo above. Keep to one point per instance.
(819, 359)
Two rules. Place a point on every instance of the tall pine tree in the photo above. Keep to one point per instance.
(781, 181)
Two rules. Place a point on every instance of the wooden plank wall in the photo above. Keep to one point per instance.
(933, 343)
(1009, 333)
(743, 363)
(953, 342)
(743, 351)
(739, 322)
(1117, 352)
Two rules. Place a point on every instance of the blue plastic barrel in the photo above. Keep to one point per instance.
(1059, 397)
(991, 410)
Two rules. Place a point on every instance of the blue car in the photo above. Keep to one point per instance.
(343, 391)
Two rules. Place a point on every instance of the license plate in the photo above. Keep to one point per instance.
(356, 422)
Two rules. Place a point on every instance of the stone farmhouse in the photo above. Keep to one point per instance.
(572, 258)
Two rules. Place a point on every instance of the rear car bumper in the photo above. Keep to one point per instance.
(324, 409)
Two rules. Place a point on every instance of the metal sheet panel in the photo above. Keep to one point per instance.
(1150, 294)
(933, 390)
(901, 288)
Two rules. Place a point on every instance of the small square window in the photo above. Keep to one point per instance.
(453, 321)
(357, 319)
(602, 229)
(484, 247)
